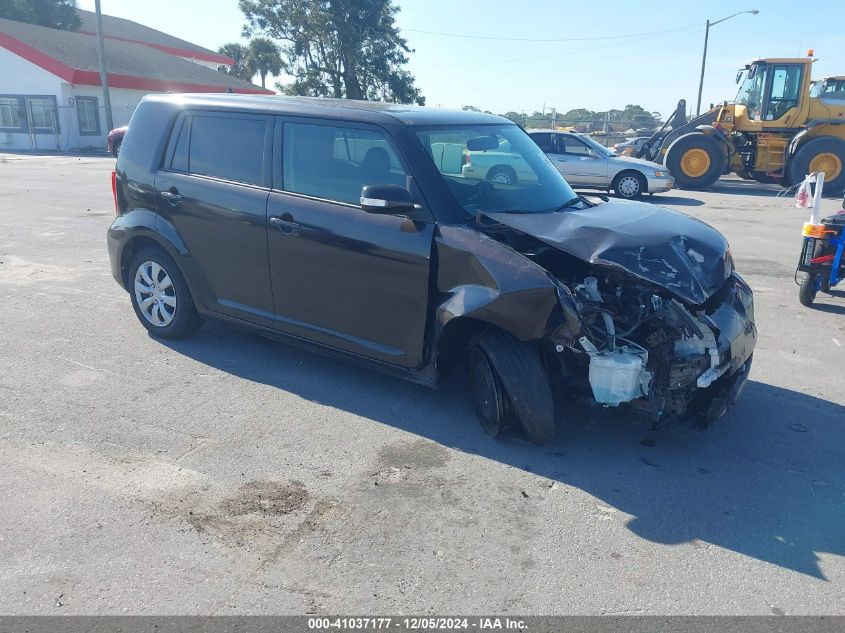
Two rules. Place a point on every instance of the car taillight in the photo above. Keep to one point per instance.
(114, 191)
(467, 159)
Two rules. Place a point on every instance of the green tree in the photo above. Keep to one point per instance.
(57, 14)
(516, 117)
(242, 67)
(341, 48)
(264, 58)
(470, 108)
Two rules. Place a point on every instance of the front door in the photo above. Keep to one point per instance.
(213, 190)
(341, 276)
(578, 163)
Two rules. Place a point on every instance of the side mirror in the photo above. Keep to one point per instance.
(387, 199)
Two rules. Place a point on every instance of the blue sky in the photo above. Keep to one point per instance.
(648, 53)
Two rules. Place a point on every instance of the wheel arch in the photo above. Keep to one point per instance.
(501, 167)
(144, 232)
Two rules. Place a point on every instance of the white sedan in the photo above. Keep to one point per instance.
(584, 163)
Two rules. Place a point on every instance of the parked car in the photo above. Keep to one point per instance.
(349, 228)
(585, 162)
(629, 146)
(116, 140)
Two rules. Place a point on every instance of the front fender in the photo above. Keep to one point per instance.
(482, 279)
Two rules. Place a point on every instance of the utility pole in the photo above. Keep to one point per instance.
(704, 56)
(104, 79)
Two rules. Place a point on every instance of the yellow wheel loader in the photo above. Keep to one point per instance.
(781, 126)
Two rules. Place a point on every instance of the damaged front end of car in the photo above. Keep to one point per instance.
(653, 316)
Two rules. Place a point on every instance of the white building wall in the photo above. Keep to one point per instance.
(123, 104)
(20, 77)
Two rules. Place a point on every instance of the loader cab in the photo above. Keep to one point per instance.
(772, 90)
(828, 88)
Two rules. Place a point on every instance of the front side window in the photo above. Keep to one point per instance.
(503, 169)
(88, 116)
(227, 147)
(750, 92)
(571, 145)
(335, 163)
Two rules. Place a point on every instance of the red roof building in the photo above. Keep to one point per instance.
(50, 95)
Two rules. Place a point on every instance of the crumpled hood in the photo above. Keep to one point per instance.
(685, 256)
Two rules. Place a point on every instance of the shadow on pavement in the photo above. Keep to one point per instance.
(739, 187)
(766, 481)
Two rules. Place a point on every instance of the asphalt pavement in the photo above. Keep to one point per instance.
(230, 474)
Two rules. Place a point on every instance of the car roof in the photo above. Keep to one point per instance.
(342, 109)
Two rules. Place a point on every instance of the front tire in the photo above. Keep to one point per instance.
(510, 383)
(115, 148)
(695, 160)
(808, 289)
(629, 185)
(160, 296)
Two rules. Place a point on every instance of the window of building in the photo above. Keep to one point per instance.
(9, 117)
(335, 163)
(88, 115)
(42, 114)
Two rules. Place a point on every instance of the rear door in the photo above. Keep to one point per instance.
(212, 189)
(341, 276)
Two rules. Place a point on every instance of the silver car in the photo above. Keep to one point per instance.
(588, 164)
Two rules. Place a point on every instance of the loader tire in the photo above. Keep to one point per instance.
(823, 153)
(695, 160)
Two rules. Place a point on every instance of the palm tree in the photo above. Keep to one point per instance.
(264, 58)
(242, 67)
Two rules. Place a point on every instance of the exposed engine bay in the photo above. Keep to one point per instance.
(670, 335)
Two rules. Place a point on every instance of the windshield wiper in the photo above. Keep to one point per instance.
(567, 205)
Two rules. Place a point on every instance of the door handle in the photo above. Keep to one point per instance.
(286, 224)
(172, 198)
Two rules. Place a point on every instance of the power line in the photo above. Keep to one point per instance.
(535, 39)
(556, 55)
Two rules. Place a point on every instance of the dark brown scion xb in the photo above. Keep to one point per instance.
(349, 227)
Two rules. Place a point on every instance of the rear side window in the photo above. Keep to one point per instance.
(225, 147)
(543, 140)
(336, 162)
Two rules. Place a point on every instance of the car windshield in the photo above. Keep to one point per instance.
(496, 168)
(597, 147)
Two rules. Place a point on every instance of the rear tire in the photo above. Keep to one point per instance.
(502, 174)
(807, 291)
(154, 278)
(524, 393)
(818, 153)
(629, 185)
(115, 148)
(695, 160)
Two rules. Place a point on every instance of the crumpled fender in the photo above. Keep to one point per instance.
(480, 278)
